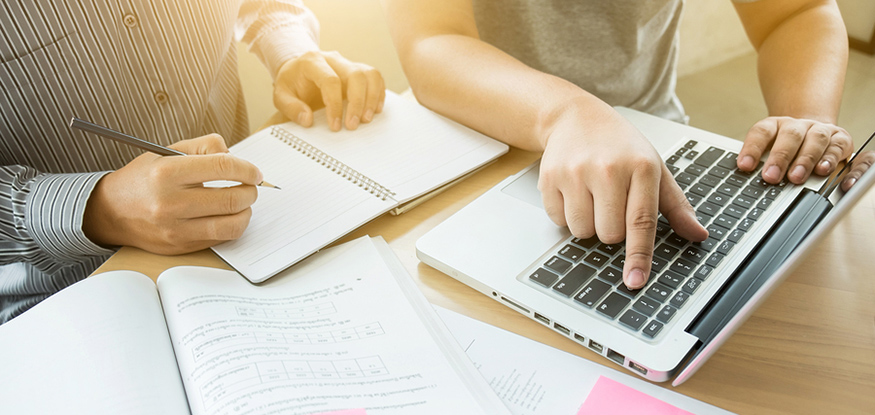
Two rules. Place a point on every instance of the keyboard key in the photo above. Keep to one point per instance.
(735, 211)
(685, 178)
(610, 249)
(764, 204)
(773, 192)
(662, 227)
(702, 218)
(652, 328)
(743, 201)
(735, 235)
(675, 240)
(682, 267)
(574, 280)
(619, 261)
(633, 319)
(612, 305)
(658, 292)
(707, 245)
(672, 169)
(717, 232)
(694, 254)
(725, 221)
(709, 209)
(725, 247)
(718, 199)
(755, 214)
(745, 224)
(681, 151)
(700, 189)
(736, 180)
(544, 277)
(557, 265)
(666, 314)
(693, 198)
(709, 180)
(703, 272)
(752, 192)
(665, 251)
(728, 189)
(729, 161)
(586, 243)
(629, 292)
(691, 144)
(671, 279)
(679, 299)
(591, 294)
(657, 264)
(596, 259)
(646, 306)
(672, 160)
(758, 182)
(572, 252)
(691, 285)
(718, 172)
(694, 170)
(611, 275)
(710, 155)
(714, 260)
(691, 155)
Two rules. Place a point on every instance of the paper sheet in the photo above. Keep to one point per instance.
(534, 379)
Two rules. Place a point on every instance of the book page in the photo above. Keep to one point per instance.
(406, 148)
(333, 333)
(315, 207)
(97, 347)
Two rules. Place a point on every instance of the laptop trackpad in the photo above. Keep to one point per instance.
(525, 187)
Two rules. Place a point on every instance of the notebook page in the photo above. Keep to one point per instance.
(315, 207)
(99, 346)
(335, 332)
(406, 148)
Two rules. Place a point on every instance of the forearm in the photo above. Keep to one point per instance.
(801, 65)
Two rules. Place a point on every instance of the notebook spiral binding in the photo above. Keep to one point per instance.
(307, 149)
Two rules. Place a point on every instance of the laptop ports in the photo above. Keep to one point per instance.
(579, 338)
(542, 319)
(596, 347)
(638, 368)
(561, 328)
(616, 357)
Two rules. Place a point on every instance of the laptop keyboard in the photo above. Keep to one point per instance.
(728, 202)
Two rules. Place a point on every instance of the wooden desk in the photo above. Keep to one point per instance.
(809, 349)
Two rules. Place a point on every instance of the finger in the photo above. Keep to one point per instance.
(677, 209)
(813, 148)
(791, 135)
(376, 94)
(356, 94)
(318, 71)
(840, 147)
(205, 201)
(641, 211)
(862, 163)
(196, 170)
(208, 144)
(215, 229)
(609, 210)
(552, 199)
(292, 107)
(579, 212)
(756, 143)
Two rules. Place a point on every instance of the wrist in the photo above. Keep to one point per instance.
(582, 109)
(98, 222)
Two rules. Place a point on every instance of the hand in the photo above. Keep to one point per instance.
(600, 176)
(159, 204)
(317, 79)
(862, 162)
(798, 147)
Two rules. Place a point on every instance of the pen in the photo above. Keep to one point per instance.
(133, 141)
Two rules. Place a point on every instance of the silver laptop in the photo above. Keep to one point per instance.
(504, 245)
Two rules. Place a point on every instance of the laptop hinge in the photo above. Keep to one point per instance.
(792, 228)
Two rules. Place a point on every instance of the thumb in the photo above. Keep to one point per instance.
(208, 144)
(292, 107)
(677, 209)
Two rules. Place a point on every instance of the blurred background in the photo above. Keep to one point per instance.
(717, 71)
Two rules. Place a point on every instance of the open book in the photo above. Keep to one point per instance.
(346, 329)
(334, 182)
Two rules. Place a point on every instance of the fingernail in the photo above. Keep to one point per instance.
(369, 115)
(798, 173)
(302, 118)
(747, 162)
(635, 279)
(773, 174)
(353, 122)
(850, 182)
(335, 125)
(826, 166)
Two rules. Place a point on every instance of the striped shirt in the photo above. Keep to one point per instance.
(160, 70)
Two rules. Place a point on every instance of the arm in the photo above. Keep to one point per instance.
(802, 55)
(599, 175)
(285, 35)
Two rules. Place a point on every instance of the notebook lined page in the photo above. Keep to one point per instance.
(406, 148)
(314, 207)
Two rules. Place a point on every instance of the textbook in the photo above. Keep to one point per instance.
(344, 330)
(334, 182)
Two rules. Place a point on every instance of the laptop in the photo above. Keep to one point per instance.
(504, 245)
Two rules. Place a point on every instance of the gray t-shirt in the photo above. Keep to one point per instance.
(623, 51)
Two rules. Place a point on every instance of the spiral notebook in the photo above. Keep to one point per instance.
(334, 182)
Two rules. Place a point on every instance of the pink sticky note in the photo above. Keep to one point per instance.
(609, 397)
(344, 412)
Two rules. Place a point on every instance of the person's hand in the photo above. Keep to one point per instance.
(862, 162)
(160, 204)
(600, 176)
(317, 79)
(798, 147)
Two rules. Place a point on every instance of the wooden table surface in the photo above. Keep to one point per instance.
(810, 349)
